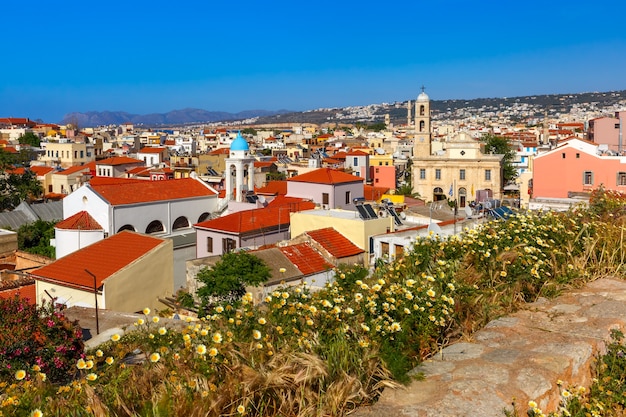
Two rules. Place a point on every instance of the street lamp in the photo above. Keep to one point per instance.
(95, 294)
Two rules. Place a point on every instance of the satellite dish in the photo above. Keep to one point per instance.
(434, 227)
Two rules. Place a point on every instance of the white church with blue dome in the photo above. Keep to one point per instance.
(239, 170)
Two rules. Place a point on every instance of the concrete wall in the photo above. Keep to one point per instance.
(8, 242)
(140, 284)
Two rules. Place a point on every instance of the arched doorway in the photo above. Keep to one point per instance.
(462, 197)
(438, 194)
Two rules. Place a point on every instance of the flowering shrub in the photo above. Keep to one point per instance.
(326, 352)
(39, 338)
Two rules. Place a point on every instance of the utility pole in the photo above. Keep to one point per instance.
(95, 294)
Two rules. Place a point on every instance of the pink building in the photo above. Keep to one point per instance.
(383, 176)
(609, 131)
(575, 167)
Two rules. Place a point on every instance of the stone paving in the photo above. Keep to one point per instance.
(514, 359)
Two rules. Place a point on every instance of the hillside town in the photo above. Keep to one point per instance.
(140, 211)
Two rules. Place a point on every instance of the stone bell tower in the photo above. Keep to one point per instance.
(422, 136)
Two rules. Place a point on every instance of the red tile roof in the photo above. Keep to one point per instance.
(371, 193)
(220, 151)
(283, 200)
(41, 170)
(252, 220)
(23, 288)
(273, 188)
(119, 160)
(113, 181)
(262, 164)
(149, 149)
(357, 152)
(79, 221)
(334, 242)
(74, 169)
(130, 191)
(103, 259)
(306, 259)
(138, 170)
(326, 176)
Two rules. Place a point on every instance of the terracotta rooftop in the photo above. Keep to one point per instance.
(262, 164)
(103, 259)
(257, 219)
(220, 151)
(140, 191)
(283, 200)
(273, 188)
(334, 242)
(79, 221)
(306, 259)
(119, 160)
(372, 193)
(326, 176)
(150, 149)
(357, 152)
(41, 170)
(74, 169)
(97, 181)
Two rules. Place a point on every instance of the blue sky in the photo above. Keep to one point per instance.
(155, 56)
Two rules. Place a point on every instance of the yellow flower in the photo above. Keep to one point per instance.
(262, 321)
(219, 309)
(155, 357)
(201, 350)
(99, 353)
(256, 334)
(21, 374)
(146, 311)
(503, 273)
(204, 332)
(282, 270)
(115, 337)
(162, 331)
(217, 338)
(81, 364)
(241, 409)
(155, 319)
(89, 364)
(36, 413)
(565, 394)
(109, 360)
(213, 352)
(430, 293)
(140, 322)
(91, 377)
(532, 404)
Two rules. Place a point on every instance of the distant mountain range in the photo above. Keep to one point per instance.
(174, 117)
(553, 104)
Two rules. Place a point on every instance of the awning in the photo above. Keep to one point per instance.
(511, 187)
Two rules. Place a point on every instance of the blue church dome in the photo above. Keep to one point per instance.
(239, 144)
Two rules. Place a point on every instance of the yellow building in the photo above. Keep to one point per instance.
(346, 222)
(455, 169)
(65, 153)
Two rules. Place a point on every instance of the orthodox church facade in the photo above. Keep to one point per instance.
(456, 169)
